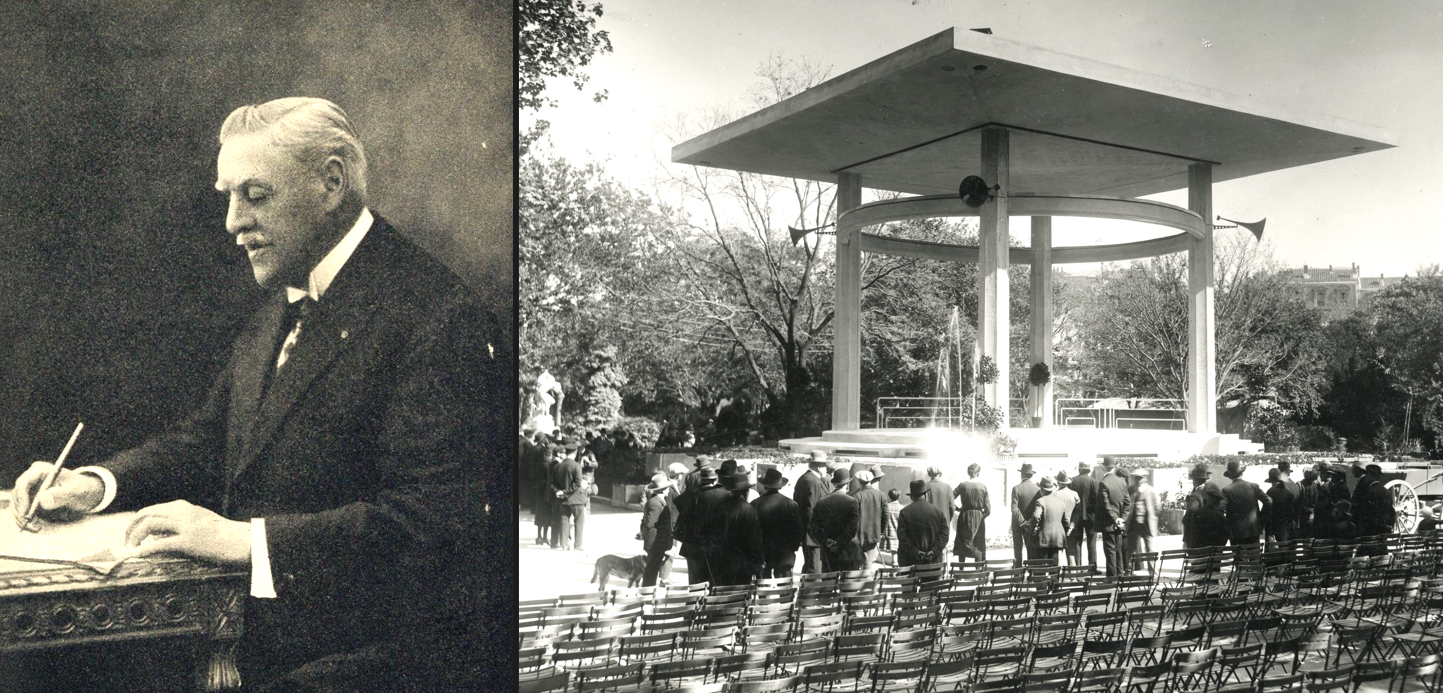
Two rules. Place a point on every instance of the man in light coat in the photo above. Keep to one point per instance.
(1065, 492)
(1143, 525)
(1084, 522)
(871, 503)
(1022, 496)
(1052, 516)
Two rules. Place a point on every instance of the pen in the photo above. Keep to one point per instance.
(50, 478)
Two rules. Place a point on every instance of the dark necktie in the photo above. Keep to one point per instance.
(296, 314)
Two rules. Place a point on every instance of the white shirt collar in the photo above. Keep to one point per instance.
(330, 265)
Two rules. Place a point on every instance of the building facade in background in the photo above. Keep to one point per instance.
(1338, 290)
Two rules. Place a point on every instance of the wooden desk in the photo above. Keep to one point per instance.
(44, 607)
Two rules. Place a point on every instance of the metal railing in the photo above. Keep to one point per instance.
(1119, 412)
(1115, 412)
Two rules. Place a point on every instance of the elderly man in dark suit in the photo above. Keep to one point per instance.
(921, 530)
(1084, 530)
(737, 556)
(1114, 502)
(781, 521)
(811, 486)
(341, 452)
(1023, 535)
(1242, 500)
(656, 536)
(690, 525)
(835, 522)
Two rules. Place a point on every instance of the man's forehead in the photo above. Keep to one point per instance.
(250, 158)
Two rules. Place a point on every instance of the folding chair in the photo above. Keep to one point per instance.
(1102, 654)
(1061, 656)
(736, 667)
(1280, 684)
(788, 683)
(1245, 657)
(576, 654)
(755, 638)
(902, 676)
(612, 628)
(1099, 680)
(831, 676)
(1225, 634)
(556, 683)
(1189, 668)
(618, 677)
(998, 662)
(672, 622)
(1144, 679)
(647, 648)
(1054, 629)
(713, 641)
(790, 659)
(866, 647)
(1106, 625)
(1340, 679)
(910, 644)
(530, 660)
(587, 599)
(1046, 681)
(951, 675)
(671, 674)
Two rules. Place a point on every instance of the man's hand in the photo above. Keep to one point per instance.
(189, 530)
(72, 495)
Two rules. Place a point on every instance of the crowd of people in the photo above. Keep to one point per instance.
(558, 479)
(731, 525)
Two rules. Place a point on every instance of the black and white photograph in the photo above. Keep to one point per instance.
(258, 347)
(934, 345)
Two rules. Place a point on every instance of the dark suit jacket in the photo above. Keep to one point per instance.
(1085, 486)
(870, 501)
(1114, 502)
(568, 479)
(378, 456)
(656, 523)
(781, 522)
(1022, 496)
(1240, 505)
(921, 528)
(809, 489)
(837, 517)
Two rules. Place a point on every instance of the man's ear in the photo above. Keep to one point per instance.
(336, 179)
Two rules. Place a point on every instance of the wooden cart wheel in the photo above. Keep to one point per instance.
(1405, 505)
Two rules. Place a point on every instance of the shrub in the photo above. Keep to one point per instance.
(1319, 438)
(646, 431)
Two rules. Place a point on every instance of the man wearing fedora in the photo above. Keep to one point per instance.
(1203, 523)
(573, 494)
(1084, 529)
(656, 535)
(1282, 513)
(691, 527)
(1069, 497)
(974, 505)
(870, 502)
(835, 521)
(1113, 504)
(737, 556)
(1373, 504)
(1023, 532)
(1307, 503)
(921, 530)
(1241, 503)
(693, 477)
(781, 522)
(811, 486)
(1052, 516)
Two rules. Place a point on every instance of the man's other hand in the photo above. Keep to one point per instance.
(72, 495)
(190, 530)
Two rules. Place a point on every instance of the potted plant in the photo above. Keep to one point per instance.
(1039, 376)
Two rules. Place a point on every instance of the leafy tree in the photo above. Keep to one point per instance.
(555, 38)
(604, 380)
(1133, 324)
(1408, 324)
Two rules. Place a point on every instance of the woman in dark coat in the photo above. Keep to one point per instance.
(972, 518)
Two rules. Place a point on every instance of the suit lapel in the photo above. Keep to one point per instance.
(338, 320)
(252, 371)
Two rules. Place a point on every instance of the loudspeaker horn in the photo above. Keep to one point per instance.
(797, 234)
(1256, 227)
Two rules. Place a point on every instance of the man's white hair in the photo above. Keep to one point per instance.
(312, 129)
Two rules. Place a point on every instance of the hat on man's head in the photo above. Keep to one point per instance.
(773, 478)
(659, 482)
(818, 456)
(728, 467)
(738, 481)
(708, 474)
(1108, 462)
(568, 444)
(917, 489)
(1026, 469)
(876, 471)
(1084, 467)
(1046, 484)
(1310, 475)
(841, 476)
(1138, 474)
(864, 476)
(1063, 479)
(676, 469)
(1285, 466)
(1275, 476)
(934, 470)
(1374, 469)
(1358, 469)
(702, 461)
(1199, 471)
(1235, 469)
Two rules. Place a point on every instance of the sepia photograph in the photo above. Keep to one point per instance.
(929, 345)
(258, 364)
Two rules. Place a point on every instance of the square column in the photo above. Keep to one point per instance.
(847, 323)
(992, 263)
(1201, 344)
(1041, 302)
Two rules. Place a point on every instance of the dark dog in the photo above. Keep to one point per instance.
(625, 568)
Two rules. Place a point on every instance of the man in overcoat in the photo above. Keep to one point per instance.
(1242, 500)
(870, 502)
(1052, 516)
(921, 529)
(1114, 502)
(1022, 496)
(1203, 523)
(656, 535)
(811, 486)
(835, 522)
(1084, 530)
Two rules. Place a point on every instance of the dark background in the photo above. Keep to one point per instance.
(120, 290)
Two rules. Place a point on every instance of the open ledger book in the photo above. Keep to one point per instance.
(92, 542)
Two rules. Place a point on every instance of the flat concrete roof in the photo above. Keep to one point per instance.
(911, 122)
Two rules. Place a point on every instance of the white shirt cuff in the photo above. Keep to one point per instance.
(262, 586)
(108, 479)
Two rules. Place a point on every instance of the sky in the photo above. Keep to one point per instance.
(1379, 63)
